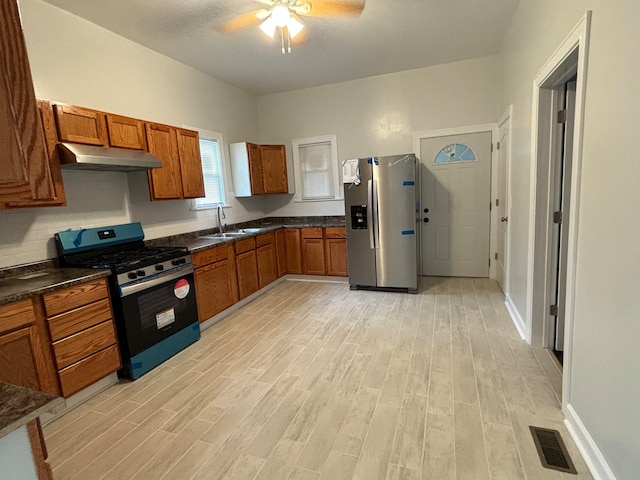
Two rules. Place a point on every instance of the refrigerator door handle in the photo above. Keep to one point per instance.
(369, 216)
(375, 229)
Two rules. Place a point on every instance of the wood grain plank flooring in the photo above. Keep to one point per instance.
(313, 381)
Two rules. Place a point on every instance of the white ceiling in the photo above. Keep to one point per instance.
(389, 36)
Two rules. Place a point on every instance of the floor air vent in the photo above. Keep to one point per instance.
(553, 454)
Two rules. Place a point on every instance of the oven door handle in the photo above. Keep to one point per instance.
(155, 281)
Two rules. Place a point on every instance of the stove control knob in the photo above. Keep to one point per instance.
(175, 262)
(132, 275)
(141, 273)
(183, 260)
(159, 267)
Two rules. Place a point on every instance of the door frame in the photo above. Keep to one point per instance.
(505, 118)
(570, 58)
(445, 132)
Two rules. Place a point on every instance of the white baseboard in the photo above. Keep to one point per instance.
(516, 317)
(590, 452)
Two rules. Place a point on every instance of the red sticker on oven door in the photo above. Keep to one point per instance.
(181, 288)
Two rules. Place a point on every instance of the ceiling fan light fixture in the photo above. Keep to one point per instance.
(269, 26)
(281, 15)
(294, 27)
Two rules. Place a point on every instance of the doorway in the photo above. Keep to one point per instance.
(455, 183)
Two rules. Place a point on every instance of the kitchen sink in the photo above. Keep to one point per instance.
(250, 230)
(218, 236)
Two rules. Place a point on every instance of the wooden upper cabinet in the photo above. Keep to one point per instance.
(256, 170)
(166, 182)
(81, 125)
(274, 166)
(125, 132)
(25, 171)
(48, 124)
(190, 163)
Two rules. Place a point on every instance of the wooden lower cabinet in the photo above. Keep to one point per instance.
(82, 332)
(247, 268)
(281, 253)
(214, 288)
(25, 354)
(335, 250)
(293, 249)
(39, 450)
(267, 266)
(313, 256)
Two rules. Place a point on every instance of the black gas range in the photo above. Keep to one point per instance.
(152, 291)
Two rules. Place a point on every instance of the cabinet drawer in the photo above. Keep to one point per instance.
(312, 233)
(210, 255)
(265, 239)
(79, 319)
(80, 345)
(17, 314)
(85, 372)
(335, 232)
(74, 297)
(245, 245)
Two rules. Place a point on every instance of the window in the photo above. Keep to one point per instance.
(211, 155)
(316, 169)
(454, 153)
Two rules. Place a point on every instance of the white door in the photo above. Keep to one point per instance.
(456, 190)
(501, 203)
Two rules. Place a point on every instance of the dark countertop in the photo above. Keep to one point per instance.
(19, 405)
(25, 283)
(205, 239)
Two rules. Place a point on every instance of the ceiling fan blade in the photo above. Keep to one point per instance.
(245, 20)
(332, 8)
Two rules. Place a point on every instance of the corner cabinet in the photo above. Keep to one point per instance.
(179, 151)
(25, 173)
(258, 169)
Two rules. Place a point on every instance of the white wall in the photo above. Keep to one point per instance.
(379, 115)
(77, 62)
(605, 388)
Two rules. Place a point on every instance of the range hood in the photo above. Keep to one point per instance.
(90, 157)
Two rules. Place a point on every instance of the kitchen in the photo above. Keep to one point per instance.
(56, 56)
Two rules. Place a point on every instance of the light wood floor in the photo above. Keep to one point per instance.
(313, 381)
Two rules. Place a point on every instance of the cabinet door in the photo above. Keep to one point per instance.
(267, 268)
(166, 182)
(190, 163)
(247, 270)
(336, 255)
(214, 289)
(255, 169)
(25, 171)
(81, 125)
(125, 132)
(281, 253)
(293, 250)
(313, 256)
(48, 124)
(17, 358)
(274, 165)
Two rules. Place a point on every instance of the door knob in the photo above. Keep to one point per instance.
(504, 219)
(425, 220)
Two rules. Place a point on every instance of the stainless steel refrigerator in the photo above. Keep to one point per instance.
(382, 211)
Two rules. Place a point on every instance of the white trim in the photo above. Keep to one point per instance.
(516, 318)
(598, 466)
(507, 116)
(335, 171)
(578, 40)
(445, 132)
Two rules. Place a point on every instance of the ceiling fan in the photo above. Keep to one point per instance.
(284, 16)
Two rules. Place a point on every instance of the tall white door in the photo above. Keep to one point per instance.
(456, 191)
(501, 204)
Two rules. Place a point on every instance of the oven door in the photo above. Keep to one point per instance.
(155, 309)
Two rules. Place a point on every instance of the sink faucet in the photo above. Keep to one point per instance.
(220, 217)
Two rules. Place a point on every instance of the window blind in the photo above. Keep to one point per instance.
(212, 173)
(316, 170)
